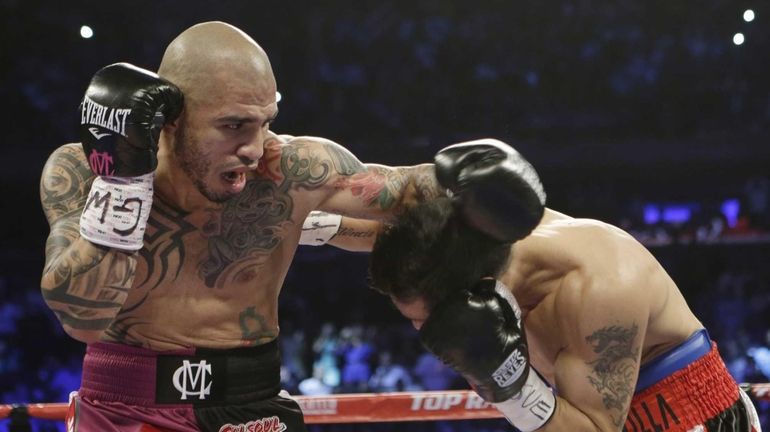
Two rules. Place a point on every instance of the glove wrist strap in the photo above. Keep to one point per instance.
(319, 227)
(532, 407)
(116, 212)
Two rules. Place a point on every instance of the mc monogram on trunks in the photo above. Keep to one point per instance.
(193, 379)
(190, 379)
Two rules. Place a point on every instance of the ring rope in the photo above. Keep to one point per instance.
(372, 407)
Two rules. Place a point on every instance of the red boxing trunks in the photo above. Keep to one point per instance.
(688, 389)
(138, 390)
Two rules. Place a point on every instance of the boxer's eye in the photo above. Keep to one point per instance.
(234, 126)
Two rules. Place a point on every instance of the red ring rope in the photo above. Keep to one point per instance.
(373, 407)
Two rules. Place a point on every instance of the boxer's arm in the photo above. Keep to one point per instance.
(84, 284)
(356, 235)
(337, 182)
(596, 373)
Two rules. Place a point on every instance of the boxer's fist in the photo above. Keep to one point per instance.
(496, 190)
(121, 116)
(478, 333)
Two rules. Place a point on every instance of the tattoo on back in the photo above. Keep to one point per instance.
(614, 370)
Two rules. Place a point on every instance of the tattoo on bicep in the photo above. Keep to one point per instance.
(65, 183)
(344, 162)
(614, 370)
(373, 187)
(302, 168)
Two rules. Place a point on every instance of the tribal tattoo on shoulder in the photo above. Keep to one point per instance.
(614, 370)
(84, 284)
(65, 183)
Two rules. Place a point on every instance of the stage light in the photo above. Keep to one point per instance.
(86, 32)
(739, 39)
(748, 15)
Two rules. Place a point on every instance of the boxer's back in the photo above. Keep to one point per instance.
(559, 262)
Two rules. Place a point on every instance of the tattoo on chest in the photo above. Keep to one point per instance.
(164, 250)
(614, 370)
(252, 224)
(249, 227)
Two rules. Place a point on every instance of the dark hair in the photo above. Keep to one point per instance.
(430, 252)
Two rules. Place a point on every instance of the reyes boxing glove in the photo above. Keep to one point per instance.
(496, 190)
(121, 116)
(478, 333)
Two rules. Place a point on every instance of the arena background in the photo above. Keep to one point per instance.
(652, 115)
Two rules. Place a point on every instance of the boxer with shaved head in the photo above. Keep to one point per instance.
(173, 225)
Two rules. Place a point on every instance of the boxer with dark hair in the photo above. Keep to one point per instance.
(173, 225)
(563, 324)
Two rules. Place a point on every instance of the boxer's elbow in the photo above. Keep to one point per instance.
(82, 323)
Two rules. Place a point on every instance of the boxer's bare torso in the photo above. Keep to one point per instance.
(208, 275)
(596, 306)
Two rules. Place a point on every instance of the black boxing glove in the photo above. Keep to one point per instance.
(496, 190)
(121, 116)
(478, 333)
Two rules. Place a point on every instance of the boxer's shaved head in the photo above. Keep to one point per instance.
(206, 58)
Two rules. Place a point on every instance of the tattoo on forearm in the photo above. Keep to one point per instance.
(425, 183)
(371, 187)
(84, 284)
(350, 232)
(86, 287)
(614, 370)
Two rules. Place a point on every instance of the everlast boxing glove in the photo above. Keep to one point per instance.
(121, 116)
(478, 333)
(496, 190)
